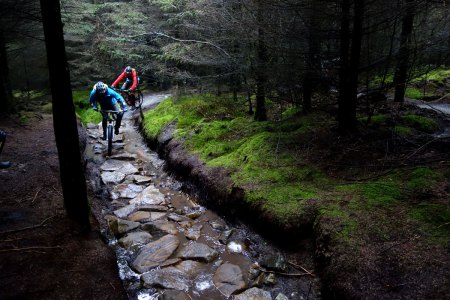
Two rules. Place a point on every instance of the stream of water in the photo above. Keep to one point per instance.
(209, 257)
(442, 108)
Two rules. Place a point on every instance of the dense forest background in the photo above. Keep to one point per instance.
(290, 51)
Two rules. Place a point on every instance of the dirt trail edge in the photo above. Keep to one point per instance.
(42, 253)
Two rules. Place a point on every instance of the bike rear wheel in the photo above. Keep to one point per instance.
(110, 139)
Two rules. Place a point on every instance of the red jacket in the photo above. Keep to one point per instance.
(124, 75)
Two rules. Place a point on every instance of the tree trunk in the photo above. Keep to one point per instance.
(261, 77)
(401, 69)
(64, 120)
(344, 89)
(312, 61)
(5, 86)
(349, 68)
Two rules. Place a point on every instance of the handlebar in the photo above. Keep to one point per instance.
(123, 90)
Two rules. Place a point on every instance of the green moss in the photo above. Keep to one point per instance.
(374, 120)
(156, 119)
(47, 108)
(33, 94)
(83, 108)
(348, 225)
(378, 80)
(438, 75)
(290, 112)
(380, 192)
(261, 158)
(422, 178)
(285, 202)
(433, 220)
(421, 123)
(413, 93)
(24, 117)
(403, 130)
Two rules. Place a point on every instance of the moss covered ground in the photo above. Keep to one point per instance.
(281, 164)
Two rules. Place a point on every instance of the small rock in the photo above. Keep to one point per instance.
(154, 253)
(253, 294)
(168, 278)
(198, 251)
(228, 279)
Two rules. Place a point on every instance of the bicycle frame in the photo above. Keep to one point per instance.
(138, 97)
(111, 116)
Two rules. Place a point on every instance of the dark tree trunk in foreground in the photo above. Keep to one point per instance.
(348, 76)
(5, 86)
(401, 71)
(344, 78)
(64, 120)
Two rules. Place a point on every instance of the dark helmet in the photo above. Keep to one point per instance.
(128, 70)
(100, 88)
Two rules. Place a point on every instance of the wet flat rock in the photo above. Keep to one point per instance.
(253, 294)
(112, 165)
(189, 267)
(174, 295)
(194, 232)
(142, 216)
(124, 156)
(125, 211)
(119, 226)
(139, 216)
(141, 180)
(228, 279)
(154, 253)
(198, 251)
(160, 226)
(149, 196)
(157, 208)
(168, 278)
(112, 177)
(126, 191)
(135, 238)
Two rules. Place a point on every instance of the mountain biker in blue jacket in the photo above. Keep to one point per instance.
(108, 100)
(3, 164)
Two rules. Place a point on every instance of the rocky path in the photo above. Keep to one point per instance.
(172, 248)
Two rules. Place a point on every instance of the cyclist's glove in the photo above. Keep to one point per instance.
(95, 108)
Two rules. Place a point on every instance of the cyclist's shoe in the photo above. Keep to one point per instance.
(5, 164)
(116, 130)
(104, 135)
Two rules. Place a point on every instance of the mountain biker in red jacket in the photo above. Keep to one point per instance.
(130, 77)
(108, 100)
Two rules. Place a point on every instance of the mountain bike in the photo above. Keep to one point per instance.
(133, 99)
(111, 117)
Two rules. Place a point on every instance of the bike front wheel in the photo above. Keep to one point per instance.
(139, 99)
(110, 138)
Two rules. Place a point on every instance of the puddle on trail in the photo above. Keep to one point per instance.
(234, 244)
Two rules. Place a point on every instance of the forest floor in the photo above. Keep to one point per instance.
(43, 254)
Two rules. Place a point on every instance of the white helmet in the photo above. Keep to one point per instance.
(100, 88)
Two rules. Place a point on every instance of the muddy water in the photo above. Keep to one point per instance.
(243, 248)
